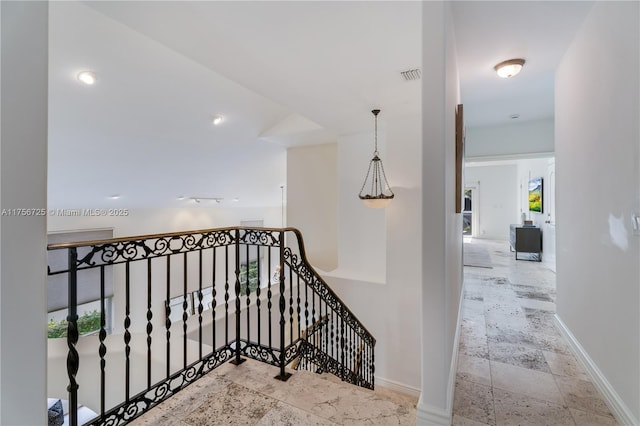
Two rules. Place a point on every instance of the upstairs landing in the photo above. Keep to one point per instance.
(249, 395)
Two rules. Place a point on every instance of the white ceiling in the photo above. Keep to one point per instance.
(281, 73)
(489, 32)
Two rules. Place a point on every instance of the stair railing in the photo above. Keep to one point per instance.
(185, 303)
(335, 340)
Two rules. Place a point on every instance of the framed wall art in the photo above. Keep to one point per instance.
(459, 156)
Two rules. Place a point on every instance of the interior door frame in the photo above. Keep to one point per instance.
(475, 214)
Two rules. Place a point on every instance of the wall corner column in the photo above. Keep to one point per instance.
(23, 201)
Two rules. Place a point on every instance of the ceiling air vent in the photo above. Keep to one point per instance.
(410, 75)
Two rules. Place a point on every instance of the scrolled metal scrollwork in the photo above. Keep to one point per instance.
(190, 374)
(260, 353)
(291, 353)
(112, 253)
(132, 411)
(262, 237)
(219, 357)
(161, 392)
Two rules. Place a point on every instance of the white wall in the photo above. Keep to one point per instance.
(23, 175)
(361, 242)
(441, 226)
(378, 274)
(379, 256)
(530, 137)
(597, 187)
(312, 185)
(497, 187)
(453, 238)
(159, 221)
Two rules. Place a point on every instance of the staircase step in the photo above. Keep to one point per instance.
(383, 392)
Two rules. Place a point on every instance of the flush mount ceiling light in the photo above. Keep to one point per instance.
(376, 180)
(217, 120)
(87, 77)
(508, 69)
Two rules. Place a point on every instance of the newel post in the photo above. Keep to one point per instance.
(284, 376)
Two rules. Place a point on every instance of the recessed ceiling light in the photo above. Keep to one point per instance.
(115, 196)
(181, 197)
(217, 120)
(508, 69)
(236, 199)
(87, 77)
(514, 116)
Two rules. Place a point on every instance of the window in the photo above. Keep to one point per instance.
(249, 278)
(252, 270)
(176, 305)
(89, 283)
(88, 319)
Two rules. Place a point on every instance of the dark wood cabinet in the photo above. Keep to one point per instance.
(526, 239)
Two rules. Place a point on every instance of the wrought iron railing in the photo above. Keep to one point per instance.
(183, 305)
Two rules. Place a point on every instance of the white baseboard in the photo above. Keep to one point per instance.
(428, 415)
(432, 416)
(451, 386)
(618, 408)
(398, 387)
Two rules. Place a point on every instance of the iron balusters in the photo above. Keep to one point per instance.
(310, 329)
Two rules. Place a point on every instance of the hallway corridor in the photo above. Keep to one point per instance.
(514, 367)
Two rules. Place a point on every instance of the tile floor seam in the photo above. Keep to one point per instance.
(282, 401)
(564, 398)
(531, 397)
(493, 397)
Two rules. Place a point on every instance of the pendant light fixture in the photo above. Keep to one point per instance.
(376, 181)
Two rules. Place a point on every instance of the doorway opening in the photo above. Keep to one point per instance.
(470, 214)
(467, 213)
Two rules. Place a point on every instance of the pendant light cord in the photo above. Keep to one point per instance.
(375, 138)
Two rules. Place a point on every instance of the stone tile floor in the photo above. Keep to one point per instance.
(249, 395)
(514, 367)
